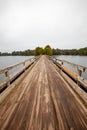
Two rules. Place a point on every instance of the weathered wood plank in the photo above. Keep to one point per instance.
(43, 101)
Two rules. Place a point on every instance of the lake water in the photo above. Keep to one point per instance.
(9, 60)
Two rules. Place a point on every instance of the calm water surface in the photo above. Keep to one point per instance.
(80, 60)
(10, 60)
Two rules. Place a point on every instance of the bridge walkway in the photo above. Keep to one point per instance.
(42, 101)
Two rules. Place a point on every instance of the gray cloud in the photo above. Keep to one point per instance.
(26, 24)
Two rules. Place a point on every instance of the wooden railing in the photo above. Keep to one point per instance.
(9, 74)
(77, 76)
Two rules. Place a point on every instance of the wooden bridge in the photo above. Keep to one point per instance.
(43, 96)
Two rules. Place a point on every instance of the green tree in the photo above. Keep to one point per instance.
(48, 50)
(82, 51)
(38, 51)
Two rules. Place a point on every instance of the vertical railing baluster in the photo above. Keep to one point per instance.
(79, 72)
(8, 78)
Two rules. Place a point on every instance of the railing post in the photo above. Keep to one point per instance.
(61, 62)
(79, 72)
(7, 76)
(61, 66)
(24, 66)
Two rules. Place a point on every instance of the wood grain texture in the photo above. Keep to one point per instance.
(42, 101)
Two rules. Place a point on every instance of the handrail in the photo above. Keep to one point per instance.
(78, 67)
(11, 77)
(76, 76)
(15, 65)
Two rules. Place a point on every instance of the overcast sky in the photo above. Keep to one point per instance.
(25, 24)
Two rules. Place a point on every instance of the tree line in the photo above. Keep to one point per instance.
(81, 51)
(48, 51)
(18, 53)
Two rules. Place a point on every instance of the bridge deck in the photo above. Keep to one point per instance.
(42, 101)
